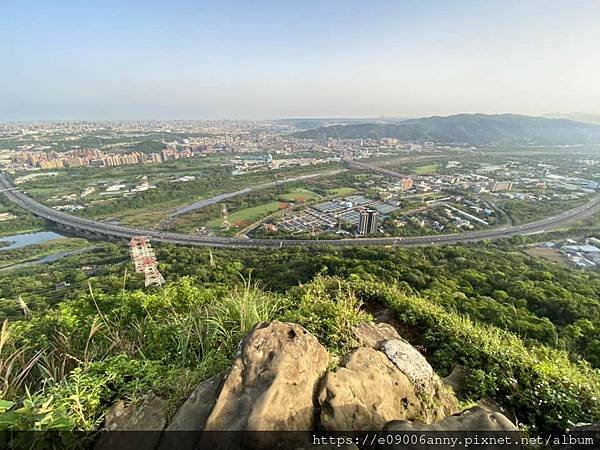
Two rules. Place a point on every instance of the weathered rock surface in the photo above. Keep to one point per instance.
(272, 382)
(372, 335)
(438, 401)
(366, 393)
(278, 381)
(150, 416)
(408, 359)
(472, 419)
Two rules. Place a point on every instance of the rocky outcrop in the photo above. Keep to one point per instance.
(414, 365)
(476, 421)
(279, 381)
(374, 387)
(456, 378)
(272, 382)
(365, 393)
(192, 415)
(190, 418)
(151, 415)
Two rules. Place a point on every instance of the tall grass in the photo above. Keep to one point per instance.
(328, 309)
(99, 348)
(237, 313)
(15, 364)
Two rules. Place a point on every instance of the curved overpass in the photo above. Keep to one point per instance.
(78, 224)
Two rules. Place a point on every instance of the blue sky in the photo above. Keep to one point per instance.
(264, 59)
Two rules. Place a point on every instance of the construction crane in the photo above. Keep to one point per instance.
(144, 260)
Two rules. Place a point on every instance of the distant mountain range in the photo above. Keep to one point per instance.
(474, 129)
(577, 116)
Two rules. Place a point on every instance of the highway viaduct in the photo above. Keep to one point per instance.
(87, 227)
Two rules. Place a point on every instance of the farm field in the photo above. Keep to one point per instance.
(247, 216)
(342, 191)
(429, 168)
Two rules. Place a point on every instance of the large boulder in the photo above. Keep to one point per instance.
(192, 415)
(365, 393)
(474, 422)
(408, 359)
(272, 382)
(150, 415)
(456, 378)
(369, 334)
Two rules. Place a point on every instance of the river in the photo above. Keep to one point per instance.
(23, 240)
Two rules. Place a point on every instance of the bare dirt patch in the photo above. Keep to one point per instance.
(549, 254)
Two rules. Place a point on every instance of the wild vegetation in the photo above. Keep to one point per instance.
(10, 257)
(540, 301)
(101, 347)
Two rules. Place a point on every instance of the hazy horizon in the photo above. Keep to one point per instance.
(593, 119)
(268, 60)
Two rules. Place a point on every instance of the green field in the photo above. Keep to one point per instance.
(342, 191)
(429, 168)
(300, 195)
(248, 216)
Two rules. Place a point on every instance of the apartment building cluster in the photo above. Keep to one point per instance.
(96, 158)
(356, 212)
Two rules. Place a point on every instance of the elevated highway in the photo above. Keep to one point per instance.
(88, 227)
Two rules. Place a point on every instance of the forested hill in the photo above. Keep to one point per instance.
(475, 129)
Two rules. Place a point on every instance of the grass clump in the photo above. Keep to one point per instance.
(237, 312)
(328, 309)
